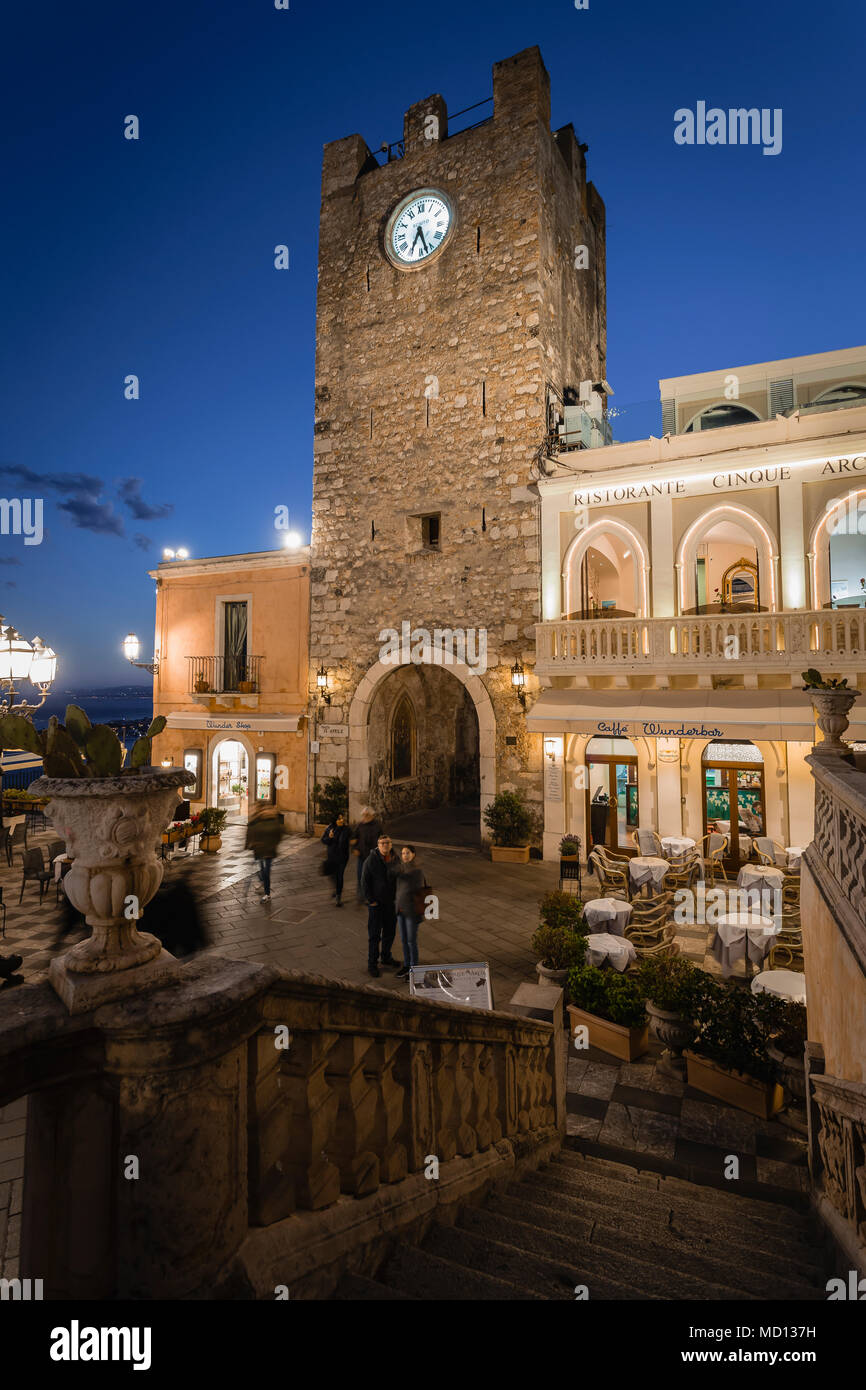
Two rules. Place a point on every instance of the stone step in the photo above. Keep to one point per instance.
(778, 1213)
(527, 1269)
(430, 1276)
(359, 1289)
(757, 1273)
(684, 1215)
(658, 1191)
(629, 1265)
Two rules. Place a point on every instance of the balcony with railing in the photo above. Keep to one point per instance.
(223, 675)
(714, 644)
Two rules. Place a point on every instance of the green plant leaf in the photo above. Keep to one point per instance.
(156, 727)
(60, 765)
(104, 751)
(77, 724)
(140, 755)
(18, 732)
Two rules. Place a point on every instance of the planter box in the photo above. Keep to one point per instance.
(319, 827)
(509, 854)
(626, 1043)
(761, 1098)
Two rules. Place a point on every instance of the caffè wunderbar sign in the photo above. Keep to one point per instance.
(730, 480)
(649, 729)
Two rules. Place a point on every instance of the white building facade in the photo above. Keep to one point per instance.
(687, 582)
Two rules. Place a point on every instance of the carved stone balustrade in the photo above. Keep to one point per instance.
(246, 1127)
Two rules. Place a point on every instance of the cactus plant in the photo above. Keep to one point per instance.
(813, 680)
(78, 748)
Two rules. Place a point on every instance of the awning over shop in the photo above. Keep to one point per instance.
(770, 715)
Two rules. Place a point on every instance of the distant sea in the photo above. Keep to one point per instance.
(113, 705)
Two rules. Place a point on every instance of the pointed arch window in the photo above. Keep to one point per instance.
(403, 740)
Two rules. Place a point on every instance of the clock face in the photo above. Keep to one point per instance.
(418, 227)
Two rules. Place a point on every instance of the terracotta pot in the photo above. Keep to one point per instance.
(625, 1043)
(761, 1098)
(247, 687)
(832, 708)
(112, 826)
(211, 843)
(551, 977)
(201, 687)
(509, 854)
(671, 1029)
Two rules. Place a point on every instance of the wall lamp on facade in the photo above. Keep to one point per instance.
(518, 680)
(322, 685)
(132, 651)
(167, 762)
(551, 748)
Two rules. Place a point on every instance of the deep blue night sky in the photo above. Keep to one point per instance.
(155, 257)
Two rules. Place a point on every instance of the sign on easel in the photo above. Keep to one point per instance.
(468, 985)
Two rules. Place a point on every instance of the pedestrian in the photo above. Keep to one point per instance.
(409, 903)
(379, 885)
(336, 842)
(264, 833)
(366, 838)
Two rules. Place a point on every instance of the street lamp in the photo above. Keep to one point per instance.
(322, 684)
(518, 680)
(22, 660)
(131, 650)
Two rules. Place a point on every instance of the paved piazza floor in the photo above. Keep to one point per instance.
(487, 912)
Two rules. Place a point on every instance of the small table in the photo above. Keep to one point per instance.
(795, 854)
(646, 870)
(787, 984)
(675, 845)
(602, 946)
(62, 863)
(760, 876)
(743, 934)
(613, 914)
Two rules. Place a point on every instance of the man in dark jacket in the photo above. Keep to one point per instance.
(264, 832)
(378, 886)
(367, 835)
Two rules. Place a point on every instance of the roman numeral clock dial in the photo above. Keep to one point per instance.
(418, 228)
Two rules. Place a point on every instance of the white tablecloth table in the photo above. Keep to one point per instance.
(602, 946)
(58, 861)
(788, 984)
(647, 869)
(610, 914)
(760, 876)
(743, 934)
(675, 845)
(795, 854)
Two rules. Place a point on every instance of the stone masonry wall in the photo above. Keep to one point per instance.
(431, 391)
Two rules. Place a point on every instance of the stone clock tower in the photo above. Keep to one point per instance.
(461, 289)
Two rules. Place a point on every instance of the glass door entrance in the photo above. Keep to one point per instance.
(232, 779)
(734, 796)
(612, 794)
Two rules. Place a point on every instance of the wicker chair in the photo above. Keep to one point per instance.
(713, 849)
(649, 909)
(612, 878)
(786, 952)
(684, 872)
(653, 940)
(770, 852)
(648, 842)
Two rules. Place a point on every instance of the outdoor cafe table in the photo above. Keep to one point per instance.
(795, 854)
(612, 914)
(602, 946)
(787, 984)
(674, 845)
(646, 869)
(760, 876)
(60, 862)
(742, 934)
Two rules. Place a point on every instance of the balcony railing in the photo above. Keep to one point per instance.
(757, 641)
(218, 675)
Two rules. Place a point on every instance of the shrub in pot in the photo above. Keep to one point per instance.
(213, 821)
(329, 802)
(729, 1058)
(569, 847)
(787, 1027)
(674, 990)
(610, 1006)
(559, 909)
(509, 821)
(558, 948)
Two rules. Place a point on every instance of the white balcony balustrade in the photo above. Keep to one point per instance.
(716, 644)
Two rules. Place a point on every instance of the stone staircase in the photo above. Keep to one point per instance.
(621, 1232)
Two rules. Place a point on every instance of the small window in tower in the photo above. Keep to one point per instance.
(430, 531)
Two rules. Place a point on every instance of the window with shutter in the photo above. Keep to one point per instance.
(781, 397)
(669, 417)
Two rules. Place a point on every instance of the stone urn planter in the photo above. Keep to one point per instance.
(551, 977)
(832, 708)
(792, 1074)
(674, 1031)
(112, 828)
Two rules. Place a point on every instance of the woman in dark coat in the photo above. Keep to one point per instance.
(336, 842)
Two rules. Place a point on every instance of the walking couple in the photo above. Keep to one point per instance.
(393, 890)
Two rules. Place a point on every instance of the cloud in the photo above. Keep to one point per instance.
(10, 584)
(91, 514)
(55, 482)
(129, 493)
(143, 542)
(9, 560)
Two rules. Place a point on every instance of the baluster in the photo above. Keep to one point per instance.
(353, 1147)
(314, 1105)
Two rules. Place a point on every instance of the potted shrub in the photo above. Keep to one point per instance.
(247, 687)
(111, 817)
(788, 1045)
(558, 950)
(569, 858)
(329, 802)
(831, 701)
(201, 684)
(213, 821)
(673, 991)
(611, 1007)
(509, 821)
(729, 1058)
